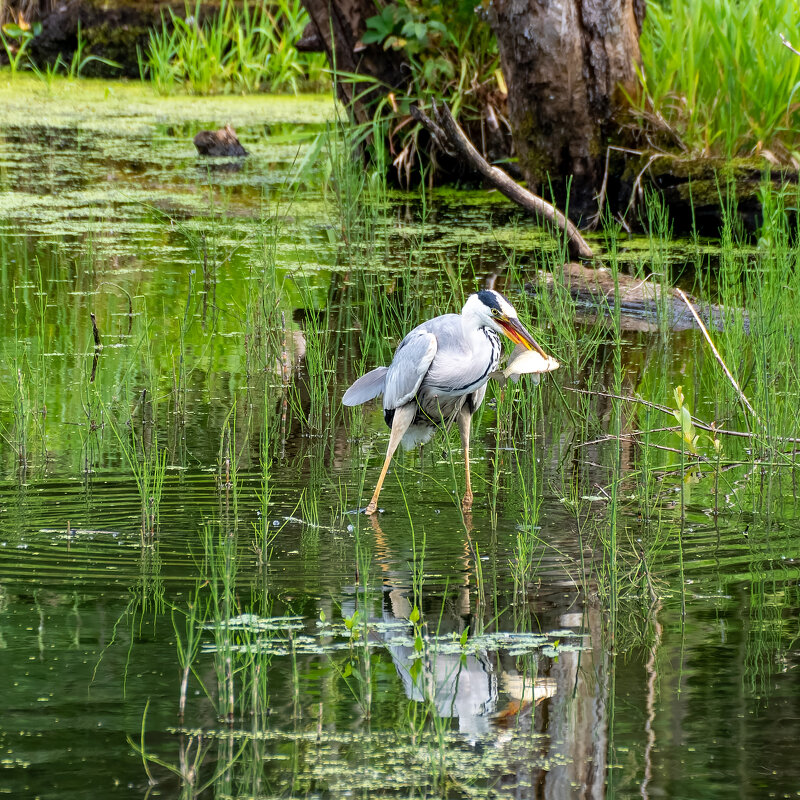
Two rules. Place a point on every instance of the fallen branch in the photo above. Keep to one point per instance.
(444, 128)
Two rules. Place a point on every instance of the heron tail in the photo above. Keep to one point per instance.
(366, 387)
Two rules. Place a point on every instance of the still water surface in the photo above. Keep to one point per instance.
(332, 655)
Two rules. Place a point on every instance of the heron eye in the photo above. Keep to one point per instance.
(495, 312)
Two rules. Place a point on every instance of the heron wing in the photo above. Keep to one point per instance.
(366, 387)
(409, 367)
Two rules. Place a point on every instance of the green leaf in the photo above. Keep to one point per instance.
(414, 615)
(14, 30)
(372, 37)
(686, 422)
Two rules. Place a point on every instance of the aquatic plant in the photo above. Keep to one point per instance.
(527, 539)
(220, 568)
(28, 379)
(311, 392)
(359, 195)
(264, 533)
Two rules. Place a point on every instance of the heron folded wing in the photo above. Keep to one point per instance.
(408, 368)
(366, 387)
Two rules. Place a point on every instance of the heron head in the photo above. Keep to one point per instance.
(497, 313)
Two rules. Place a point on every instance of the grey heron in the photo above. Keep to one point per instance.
(439, 374)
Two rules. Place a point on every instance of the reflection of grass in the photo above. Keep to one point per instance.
(27, 393)
(148, 465)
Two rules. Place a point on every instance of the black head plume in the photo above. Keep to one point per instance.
(490, 299)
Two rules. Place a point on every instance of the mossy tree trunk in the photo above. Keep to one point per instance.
(568, 64)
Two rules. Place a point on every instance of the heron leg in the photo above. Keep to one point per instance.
(464, 423)
(403, 417)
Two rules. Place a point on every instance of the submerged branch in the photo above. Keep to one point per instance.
(445, 128)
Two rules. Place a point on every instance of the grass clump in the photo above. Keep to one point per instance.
(243, 48)
(716, 74)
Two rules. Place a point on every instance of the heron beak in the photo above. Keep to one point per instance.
(515, 331)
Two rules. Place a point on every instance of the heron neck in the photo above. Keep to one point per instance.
(474, 328)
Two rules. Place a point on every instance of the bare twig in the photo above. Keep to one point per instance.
(789, 44)
(540, 208)
(601, 197)
(627, 435)
(745, 402)
(657, 406)
(636, 189)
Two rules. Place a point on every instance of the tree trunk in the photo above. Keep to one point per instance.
(566, 63)
(340, 25)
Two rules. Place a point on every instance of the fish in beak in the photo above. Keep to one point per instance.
(515, 331)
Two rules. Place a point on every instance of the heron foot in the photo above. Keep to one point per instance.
(466, 503)
(371, 508)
